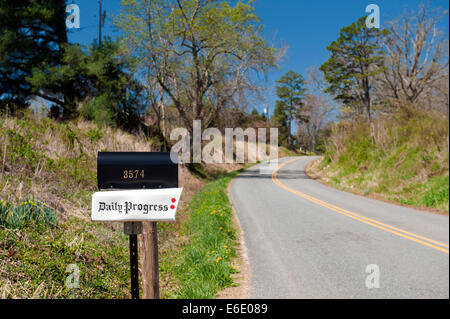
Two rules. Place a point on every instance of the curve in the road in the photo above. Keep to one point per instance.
(307, 240)
(394, 230)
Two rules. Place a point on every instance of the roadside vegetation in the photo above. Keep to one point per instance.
(409, 163)
(46, 182)
(37, 256)
(48, 175)
(61, 103)
(205, 263)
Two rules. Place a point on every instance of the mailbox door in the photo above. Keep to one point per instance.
(136, 170)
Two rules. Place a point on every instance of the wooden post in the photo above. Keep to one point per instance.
(149, 260)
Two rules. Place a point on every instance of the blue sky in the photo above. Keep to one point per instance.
(306, 27)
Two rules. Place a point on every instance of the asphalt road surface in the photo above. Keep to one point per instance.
(307, 240)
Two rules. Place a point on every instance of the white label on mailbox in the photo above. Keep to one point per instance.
(136, 205)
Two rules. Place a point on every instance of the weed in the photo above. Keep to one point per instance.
(94, 134)
(26, 214)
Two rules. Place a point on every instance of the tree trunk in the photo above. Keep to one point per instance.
(368, 109)
(289, 138)
(69, 106)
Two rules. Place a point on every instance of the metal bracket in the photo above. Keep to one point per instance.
(132, 228)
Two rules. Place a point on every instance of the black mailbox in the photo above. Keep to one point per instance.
(136, 170)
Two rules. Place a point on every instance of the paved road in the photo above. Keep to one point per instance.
(307, 240)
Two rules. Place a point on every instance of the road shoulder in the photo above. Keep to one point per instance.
(242, 279)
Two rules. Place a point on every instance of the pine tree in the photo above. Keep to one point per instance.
(355, 59)
(32, 34)
(100, 81)
(280, 119)
(290, 91)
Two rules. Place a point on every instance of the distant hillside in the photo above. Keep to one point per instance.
(409, 163)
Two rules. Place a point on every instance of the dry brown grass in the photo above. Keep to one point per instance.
(51, 141)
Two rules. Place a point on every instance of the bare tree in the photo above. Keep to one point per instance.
(315, 118)
(316, 110)
(417, 56)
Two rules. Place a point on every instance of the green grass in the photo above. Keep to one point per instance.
(437, 192)
(36, 251)
(205, 264)
(27, 146)
(434, 193)
(38, 242)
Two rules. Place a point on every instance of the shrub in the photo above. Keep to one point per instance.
(98, 111)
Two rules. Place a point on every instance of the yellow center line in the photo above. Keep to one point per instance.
(394, 230)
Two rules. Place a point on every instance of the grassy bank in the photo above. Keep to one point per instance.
(48, 173)
(204, 264)
(408, 163)
(54, 165)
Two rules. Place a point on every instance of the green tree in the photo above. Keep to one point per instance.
(280, 119)
(101, 81)
(202, 53)
(356, 58)
(258, 117)
(33, 33)
(290, 90)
